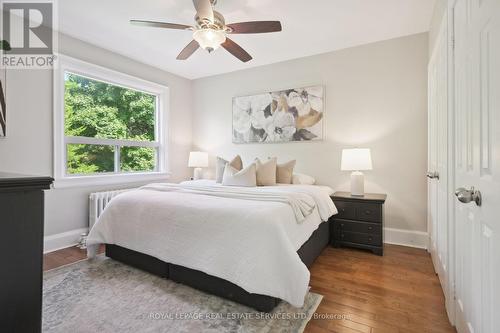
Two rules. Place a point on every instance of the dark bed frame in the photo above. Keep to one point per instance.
(214, 285)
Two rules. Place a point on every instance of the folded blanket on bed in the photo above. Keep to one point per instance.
(302, 203)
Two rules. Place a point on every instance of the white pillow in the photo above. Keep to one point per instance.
(301, 179)
(245, 177)
(221, 164)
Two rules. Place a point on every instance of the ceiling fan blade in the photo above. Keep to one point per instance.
(160, 24)
(236, 50)
(255, 27)
(204, 9)
(188, 50)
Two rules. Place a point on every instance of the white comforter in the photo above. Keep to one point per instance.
(223, 231)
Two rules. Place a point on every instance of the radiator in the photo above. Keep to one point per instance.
(98, 201)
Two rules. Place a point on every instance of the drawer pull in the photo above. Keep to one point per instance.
(368, 212)
(370, 238)
(342, 224)
(342, 236)
(342, 210)
(370, 228)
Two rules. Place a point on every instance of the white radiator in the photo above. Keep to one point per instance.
(97, 203)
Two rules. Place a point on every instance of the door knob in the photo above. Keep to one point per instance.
(433, 175)
(464, 195)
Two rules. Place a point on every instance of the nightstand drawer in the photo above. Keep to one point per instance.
(360, 238)
(367, 228)
(369, 212)
(346, 210)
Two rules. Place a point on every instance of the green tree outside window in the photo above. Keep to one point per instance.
(98, 109)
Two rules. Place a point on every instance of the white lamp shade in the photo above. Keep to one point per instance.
(357, 159)
(198, 159)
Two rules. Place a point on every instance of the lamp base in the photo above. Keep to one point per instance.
(197, 173)
(357, 184)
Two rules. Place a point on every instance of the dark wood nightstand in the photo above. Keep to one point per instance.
(360, 221)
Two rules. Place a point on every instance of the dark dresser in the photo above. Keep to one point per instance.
(359, 222)
(21, 251)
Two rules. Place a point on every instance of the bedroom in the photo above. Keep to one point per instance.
(333, 168)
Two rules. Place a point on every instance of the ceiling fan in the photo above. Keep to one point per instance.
(210, 31)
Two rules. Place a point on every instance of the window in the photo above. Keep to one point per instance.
(108, 125)
(108, 128)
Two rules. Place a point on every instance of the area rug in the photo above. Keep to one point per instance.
(103, 295)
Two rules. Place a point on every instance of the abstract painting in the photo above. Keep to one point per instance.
(279, 116)
(3, 110)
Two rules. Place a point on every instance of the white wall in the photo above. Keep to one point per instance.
(28, 146)
(376, 97)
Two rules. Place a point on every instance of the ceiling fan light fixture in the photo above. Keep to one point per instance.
(210, 30)
(209, 39)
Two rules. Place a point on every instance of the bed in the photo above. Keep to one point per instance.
(249, 245)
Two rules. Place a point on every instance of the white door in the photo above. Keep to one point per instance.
(438, 191)
(477, 164)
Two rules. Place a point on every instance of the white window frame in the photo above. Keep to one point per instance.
(95, 72)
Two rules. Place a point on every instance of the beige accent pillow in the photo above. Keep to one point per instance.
(246, 177)
(284, 172)
(236, 163)
(266, 172)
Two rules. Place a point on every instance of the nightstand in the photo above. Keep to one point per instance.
(359, 222)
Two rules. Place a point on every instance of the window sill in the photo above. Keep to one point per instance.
(115, 179)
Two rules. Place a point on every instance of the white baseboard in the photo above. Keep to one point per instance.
(418, 239)
(63, 240)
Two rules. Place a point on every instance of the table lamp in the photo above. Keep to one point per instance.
(356, 160)
(198, 160)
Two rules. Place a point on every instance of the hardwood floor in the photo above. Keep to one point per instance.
(64, 257)
(398, 292)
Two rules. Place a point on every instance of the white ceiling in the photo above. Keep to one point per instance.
(309, 27)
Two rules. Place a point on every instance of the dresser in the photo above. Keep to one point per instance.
(21, 251)
(359, 222)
